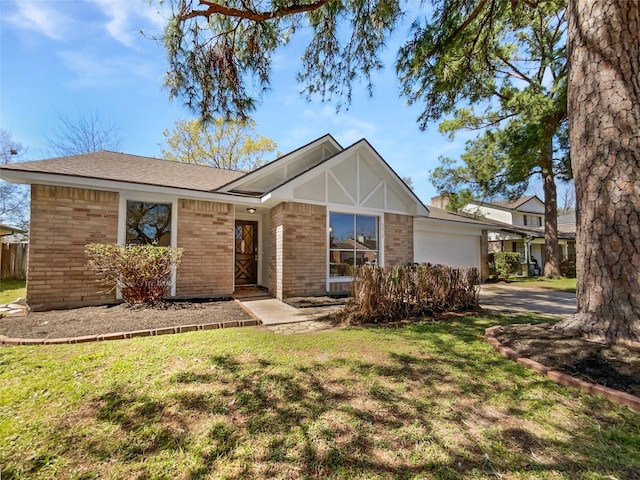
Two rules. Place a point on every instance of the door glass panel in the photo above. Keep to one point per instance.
(244, 239)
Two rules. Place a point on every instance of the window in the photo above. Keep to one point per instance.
(353, 241)
(148, 223)
(532, 220)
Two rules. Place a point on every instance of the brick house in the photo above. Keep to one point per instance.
(296, 226)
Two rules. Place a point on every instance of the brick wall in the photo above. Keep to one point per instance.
(63, 221)
(206, 233)
(298, 264)
(398, 239)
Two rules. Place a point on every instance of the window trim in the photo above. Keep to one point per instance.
(126, 196)
(351, 211)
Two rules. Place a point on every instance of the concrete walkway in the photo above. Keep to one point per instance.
(282, 318)
(500, 298)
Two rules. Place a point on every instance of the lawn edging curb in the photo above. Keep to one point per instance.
(561, 378)
(8, 341)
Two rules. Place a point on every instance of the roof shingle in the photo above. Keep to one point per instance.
(122, 167)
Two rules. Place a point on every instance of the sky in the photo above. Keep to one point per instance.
(74, 57)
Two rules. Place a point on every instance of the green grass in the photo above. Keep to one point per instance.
(427, 401)
(11, 290)
(560, 284)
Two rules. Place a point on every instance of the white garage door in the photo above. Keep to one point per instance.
(449, 248)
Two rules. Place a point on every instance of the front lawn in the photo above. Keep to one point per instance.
(427, 401)
(11, 290)
(560, 284)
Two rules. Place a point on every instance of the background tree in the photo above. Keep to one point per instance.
(229, 144)
(568, 199)
(14, 198)
(408, 181)
(85, 134)
(509, 64)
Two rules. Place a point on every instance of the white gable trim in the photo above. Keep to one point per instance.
(393, 187)
(282, 162)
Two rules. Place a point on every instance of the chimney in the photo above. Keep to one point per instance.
(440, 202)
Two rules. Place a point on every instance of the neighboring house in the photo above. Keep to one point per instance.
(297, 226)
(12, 255)
(520, 228)
(6, 230)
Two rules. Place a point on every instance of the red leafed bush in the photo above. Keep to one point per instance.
(141, 272)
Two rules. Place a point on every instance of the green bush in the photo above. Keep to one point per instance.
(141, 272)
(568, 267)
(381, 295)
(503, 264)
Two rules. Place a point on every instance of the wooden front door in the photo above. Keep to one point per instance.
(246, 252)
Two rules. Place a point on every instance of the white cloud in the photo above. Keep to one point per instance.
(345, 127)
(127, 18)
(99, 71)
(40, 17)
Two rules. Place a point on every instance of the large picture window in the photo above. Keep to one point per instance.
(148, 223)
(353, 241)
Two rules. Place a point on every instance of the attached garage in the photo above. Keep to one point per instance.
(449, 239)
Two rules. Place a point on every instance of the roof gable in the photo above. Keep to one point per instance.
(285, 168)
(355, 177)
(531, 204)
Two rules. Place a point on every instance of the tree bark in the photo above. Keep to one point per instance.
(551, 249)
(604, 122)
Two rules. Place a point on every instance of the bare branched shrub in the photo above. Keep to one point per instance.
(381, 295)
(141, 272)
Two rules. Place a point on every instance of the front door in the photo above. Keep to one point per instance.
(246, 252)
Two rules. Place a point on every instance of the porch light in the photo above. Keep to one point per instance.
(251, 210)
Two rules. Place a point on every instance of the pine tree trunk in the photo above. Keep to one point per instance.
(604, 122)
(551, 249)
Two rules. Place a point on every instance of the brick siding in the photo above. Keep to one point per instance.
(63, 221)
(298, 265)
(398, 239)
(206, 233)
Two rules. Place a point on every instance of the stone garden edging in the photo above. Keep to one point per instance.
(122, 335)
(616, 396)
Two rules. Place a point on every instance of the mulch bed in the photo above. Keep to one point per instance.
(119, 318)
(614, 366)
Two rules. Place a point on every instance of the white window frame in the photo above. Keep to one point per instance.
(126, 196)
(351, 211)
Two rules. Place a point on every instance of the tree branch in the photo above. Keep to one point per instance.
(516, 71)
(214, 8)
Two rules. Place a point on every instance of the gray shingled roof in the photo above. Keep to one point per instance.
(122, 167)
(512, 205)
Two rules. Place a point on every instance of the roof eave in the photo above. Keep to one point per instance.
(60, 180)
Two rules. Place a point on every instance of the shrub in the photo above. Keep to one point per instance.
(503, 264)
(381, 295)
(568, 267)
(141, 272)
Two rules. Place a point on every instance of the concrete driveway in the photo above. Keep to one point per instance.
(501, 298)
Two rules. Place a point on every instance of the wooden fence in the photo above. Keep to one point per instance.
(13, 261)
